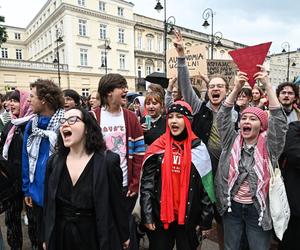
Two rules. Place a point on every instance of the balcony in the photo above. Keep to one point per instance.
(31, 65)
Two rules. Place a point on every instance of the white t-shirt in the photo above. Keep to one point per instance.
(114, 133)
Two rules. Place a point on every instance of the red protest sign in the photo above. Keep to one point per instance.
(247, 58)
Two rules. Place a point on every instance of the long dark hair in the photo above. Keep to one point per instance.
(94, 139)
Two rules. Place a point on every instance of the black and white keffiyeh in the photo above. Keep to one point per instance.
(35, 138)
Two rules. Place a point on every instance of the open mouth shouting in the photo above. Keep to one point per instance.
(66, 134)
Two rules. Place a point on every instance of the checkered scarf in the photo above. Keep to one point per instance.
(35, 138)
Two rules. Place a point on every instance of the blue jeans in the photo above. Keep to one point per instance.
(244, 217)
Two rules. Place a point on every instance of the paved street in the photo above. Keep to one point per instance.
(207, 244)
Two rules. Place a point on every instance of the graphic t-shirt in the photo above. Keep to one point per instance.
(176, 178)
(114, 133)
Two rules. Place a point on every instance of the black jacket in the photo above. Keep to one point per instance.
(111, 217)
(290, 162)
(199, 208)
(12, 167)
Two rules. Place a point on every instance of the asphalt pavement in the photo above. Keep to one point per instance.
(206, 245)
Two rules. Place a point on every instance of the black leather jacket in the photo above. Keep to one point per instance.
(199, 208)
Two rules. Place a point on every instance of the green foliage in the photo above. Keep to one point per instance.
(3, 34)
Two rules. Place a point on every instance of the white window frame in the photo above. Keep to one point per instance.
(120, 11)
(85, 92)
(82, 27)
(122, 61)
(103, 31)
(18, 36)
(83, 57)
(19, 54)
(121, 35)
(102, 58)
(4, 53)
(149, 43)
(81, 2)
(149, 69)
(102, 6)
(139, 41)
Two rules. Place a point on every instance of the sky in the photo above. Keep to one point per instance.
(248, 22)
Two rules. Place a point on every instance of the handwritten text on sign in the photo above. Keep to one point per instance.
(195, 61)
(226, 68)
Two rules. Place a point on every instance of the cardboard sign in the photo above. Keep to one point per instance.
(226, 68)
(195, 60)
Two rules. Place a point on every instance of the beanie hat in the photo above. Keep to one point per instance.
(181, 107)
(262, 116)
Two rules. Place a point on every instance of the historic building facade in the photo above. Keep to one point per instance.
(279, 67)
(79, 31)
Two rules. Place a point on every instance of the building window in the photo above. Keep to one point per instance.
(139, 40)
(4, 53)
(120, 11)
(148, 69)
(83, 57)
(85, 92)
(121, 35)
(19, 54)
(81, 2)
(103, 31)
(103, 59)
(17, 36)
(122, 61)
(149, 43)
(82, 27)
(159, 44)
(101, 6)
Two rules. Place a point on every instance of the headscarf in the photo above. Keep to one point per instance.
(24, 116)
(165, 143)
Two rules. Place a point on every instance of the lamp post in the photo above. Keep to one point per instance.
(284, 46)
(56, 60)
(106, 48)
(168, 28)
(207, 13)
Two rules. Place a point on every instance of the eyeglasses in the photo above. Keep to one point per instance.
(219, 86)
(287, 93)
(71, 120)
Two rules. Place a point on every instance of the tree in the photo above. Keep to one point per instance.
(3, 34)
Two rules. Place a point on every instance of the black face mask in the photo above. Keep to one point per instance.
(182, 136)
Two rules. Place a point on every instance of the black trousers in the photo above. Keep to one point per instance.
(162, 239)
(291, 236)
(13, 222)
(35, 220)
(130, 203)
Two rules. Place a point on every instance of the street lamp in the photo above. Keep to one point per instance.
(106, 48)
(207, 13)
(284, 46)
(56, 60)
(168, 27)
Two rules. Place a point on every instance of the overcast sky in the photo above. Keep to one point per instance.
(248, 22)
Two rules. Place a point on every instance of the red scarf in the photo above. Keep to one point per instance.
(165, 144)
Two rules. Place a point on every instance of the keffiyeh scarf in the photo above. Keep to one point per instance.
(35, 138)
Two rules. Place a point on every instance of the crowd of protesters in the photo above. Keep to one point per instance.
(79, 167)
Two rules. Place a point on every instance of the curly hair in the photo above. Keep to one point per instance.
(94, 141)
(48, 91)
(288, 84)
